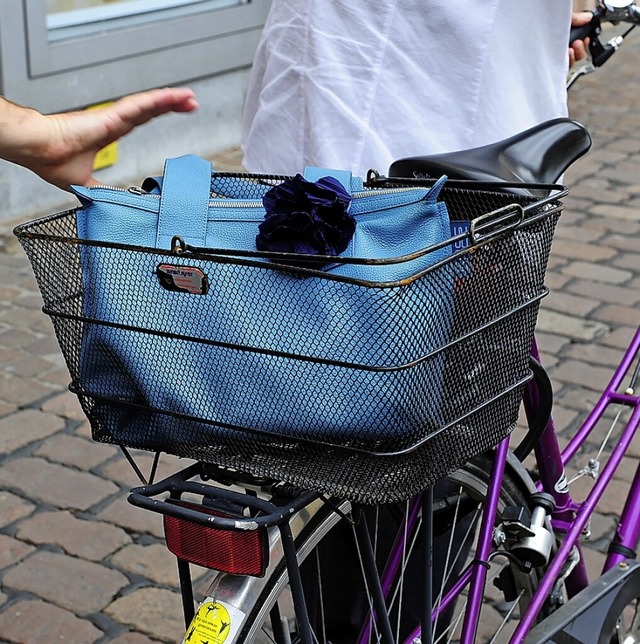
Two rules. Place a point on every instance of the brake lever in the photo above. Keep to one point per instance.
(600, 54)
(610, 11)
(583, 70)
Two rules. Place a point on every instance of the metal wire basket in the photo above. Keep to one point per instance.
(473, 375)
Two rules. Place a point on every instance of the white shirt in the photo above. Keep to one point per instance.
(356, 84)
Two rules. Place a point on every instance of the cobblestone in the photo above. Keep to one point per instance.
(624, 171)
(628, 468)
(54, 484)
(38, 621)
(623, 243)
(612, 225)
(597, 273)
(581, 373)
(132, 638)
(581, 250)
(155, 611)
(619, 338)
(594, 561)
(599, 190)
(12, 551)
(17, 337)
(564, 416)
(617, 315)
(76, 451)
(604, 292)
(81, 586)
(626, 261)
(22, 391)
(556, 281)
(154, 562)
(120, 471)
(551, 342)
(132, 519)
(573, 327)
(25, 427)
(613, 499)
(58, 378)
(27, 317)
(65, 405)
(13, 507)
(92, 540)
(27, 366)
(578, 234)
(579, 306)
(579, 398)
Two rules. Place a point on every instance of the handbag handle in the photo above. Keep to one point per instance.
(184, 200)
(185, 193)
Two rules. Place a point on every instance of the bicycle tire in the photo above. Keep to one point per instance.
(473, 479)
(622, 624)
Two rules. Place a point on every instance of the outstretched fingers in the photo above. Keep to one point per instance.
(136, 109)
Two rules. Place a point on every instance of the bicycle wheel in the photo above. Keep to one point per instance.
(337, 596)
(627, 620)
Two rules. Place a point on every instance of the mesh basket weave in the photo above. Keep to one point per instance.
(497, 283)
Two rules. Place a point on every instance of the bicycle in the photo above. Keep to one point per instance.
(293, 524)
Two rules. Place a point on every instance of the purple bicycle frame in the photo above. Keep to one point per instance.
(551, 463)
(569, 517)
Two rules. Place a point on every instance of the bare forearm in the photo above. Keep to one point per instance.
(22, 131)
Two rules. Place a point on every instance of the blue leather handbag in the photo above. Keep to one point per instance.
(184, 317)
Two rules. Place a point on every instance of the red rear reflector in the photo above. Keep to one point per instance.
(239, 552)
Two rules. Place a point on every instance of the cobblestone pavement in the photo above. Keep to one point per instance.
(78, 564)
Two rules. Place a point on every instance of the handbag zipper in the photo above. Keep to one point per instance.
(230, 203)
(381, 191)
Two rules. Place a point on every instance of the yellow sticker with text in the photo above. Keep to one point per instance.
(215, 623)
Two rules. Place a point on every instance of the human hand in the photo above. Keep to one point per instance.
(578, 48)
(61, 148)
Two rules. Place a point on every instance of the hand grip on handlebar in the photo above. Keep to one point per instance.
(600, 53)
(590, 30)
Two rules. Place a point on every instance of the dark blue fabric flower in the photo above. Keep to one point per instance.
(306, 217)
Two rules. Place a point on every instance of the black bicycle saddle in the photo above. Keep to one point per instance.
(538, 155)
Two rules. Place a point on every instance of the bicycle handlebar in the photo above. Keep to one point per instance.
(614, 11)
(589, 30)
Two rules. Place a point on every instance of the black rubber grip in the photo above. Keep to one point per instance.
(591, 29)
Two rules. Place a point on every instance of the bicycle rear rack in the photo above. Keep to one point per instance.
(220, 528)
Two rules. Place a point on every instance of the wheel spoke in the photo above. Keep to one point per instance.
(506, 617)
(338, 573)
(446, 563)
(321, 596)
(372, 623)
